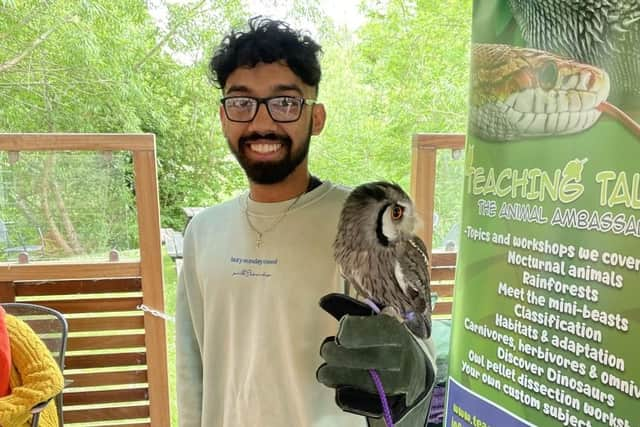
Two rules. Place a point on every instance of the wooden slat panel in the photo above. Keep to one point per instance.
(105, 360)
(77, 141)
(444, 258)
(106, 378)
(443, 307)
(66, 287)
(7, 292)
(107, 396)
(94, 305)
(443, 291)
(111, 323)
(60, 271)
(103, 343)
(443, 273)
(106, 414)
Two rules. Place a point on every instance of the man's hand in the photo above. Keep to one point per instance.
(366, 341)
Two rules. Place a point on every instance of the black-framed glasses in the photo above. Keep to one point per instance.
(281, 109)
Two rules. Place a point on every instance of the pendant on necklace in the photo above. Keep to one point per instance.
(259, 240)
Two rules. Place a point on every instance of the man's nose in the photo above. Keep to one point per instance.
(262, 121)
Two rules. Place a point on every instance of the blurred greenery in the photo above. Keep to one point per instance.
(73, 204)
(105, 66)
(170, 277)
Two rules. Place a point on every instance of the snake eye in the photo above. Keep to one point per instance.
(396, 212)
(548, 75)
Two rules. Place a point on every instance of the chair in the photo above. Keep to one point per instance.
(52, 328)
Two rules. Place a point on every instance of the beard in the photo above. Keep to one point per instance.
(270, 172)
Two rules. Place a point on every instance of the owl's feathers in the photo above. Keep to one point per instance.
(379, 254)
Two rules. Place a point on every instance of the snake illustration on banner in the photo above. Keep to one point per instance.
(603, 33)
(582, 59)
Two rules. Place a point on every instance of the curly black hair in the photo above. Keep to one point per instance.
(267, 41)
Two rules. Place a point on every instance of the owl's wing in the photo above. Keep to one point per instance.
(353, 277)
(412, 274)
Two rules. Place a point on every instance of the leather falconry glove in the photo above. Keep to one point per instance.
(367, 341)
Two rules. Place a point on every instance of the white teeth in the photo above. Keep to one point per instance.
(265, 148)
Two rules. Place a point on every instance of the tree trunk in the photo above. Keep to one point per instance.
(58, 238)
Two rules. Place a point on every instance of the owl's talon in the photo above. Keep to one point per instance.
(393, 312)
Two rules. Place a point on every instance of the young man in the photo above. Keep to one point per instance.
(249, 327)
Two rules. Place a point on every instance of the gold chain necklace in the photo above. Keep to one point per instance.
(260, 233)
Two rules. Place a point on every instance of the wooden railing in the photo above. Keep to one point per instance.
(116, 360)
(423, 187)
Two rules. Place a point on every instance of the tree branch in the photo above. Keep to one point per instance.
(168, 36)
(37, 42)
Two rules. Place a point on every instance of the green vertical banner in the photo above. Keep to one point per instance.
(546, 317)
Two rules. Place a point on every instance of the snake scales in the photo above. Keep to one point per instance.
(581, 55)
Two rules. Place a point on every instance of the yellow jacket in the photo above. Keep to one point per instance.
(35, 377)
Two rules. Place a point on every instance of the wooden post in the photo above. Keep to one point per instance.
(151, 272)
(423, 188)
(424, 150)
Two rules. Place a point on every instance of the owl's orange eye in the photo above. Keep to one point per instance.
(397, 212)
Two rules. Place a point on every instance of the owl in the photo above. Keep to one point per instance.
(381, 257)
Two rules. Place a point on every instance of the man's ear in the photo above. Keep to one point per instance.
(319, 116)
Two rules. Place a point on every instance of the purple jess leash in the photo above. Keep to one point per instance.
(377, 381)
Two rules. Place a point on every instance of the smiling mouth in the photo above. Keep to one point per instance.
(265, 148)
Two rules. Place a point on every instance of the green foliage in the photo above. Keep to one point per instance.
(82, 203)
(405, 72)
(105, 66)
(98, 66)
(170, 278)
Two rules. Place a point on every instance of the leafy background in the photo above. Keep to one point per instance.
(107, 66)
